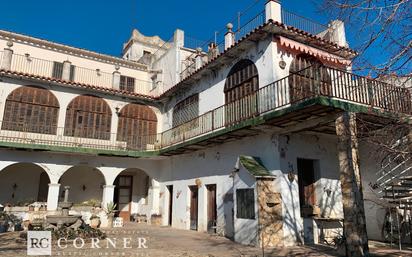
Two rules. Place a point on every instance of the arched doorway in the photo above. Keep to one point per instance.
(31, 109)
(240, 89)
(131, 193)
(88, 117)
(137, 126)
(86, 184)
(308, 77)
(23, 183)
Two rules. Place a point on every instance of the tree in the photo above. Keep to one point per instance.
(381, 32)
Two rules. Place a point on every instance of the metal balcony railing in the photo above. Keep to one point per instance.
(302, 23)
(46, 68)
(312, 82)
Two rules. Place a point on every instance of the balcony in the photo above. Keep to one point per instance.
(328, 89)
(246, 22)
(32, 66)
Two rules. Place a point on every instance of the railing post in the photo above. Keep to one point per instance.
(213, 120)
(116, 78)
(198, 58)
(229, 36)
(273, 10)
(7, 57)
(66, 70)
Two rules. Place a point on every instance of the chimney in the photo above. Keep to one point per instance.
(337, 32)
(179, 38)
(229, 36)
(273, 10)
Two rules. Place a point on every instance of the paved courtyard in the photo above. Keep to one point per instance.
(167, 242)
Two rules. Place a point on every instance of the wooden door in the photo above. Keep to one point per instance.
(170, 218)
(211, 208)
(123, 196)
(194, 199)
(306, 173)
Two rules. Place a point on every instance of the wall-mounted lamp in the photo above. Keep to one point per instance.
(291, 174)
(98, 72)
(117, 110)
(282, 63)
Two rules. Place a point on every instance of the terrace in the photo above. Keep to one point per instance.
(300, 101)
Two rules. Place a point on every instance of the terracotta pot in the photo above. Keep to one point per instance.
(95, 222)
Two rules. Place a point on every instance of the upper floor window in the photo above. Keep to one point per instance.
(31, 109)
(308, 77)
(137, 125)
(88, 117)
(186, 110)
(58, 71)
(242, 80)
(127, 83)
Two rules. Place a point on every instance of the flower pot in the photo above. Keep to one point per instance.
(110, 218)
(95, 222)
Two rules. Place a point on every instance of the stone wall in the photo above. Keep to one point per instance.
(270, 214)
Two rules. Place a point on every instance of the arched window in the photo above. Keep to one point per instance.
(241, 85)
(88, 117)
(243, 80)
(308, 77)
(186, 110)
(31, 109)
(137, 125)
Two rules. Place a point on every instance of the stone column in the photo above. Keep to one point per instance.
(116, 78)
(229, 36)
(273, 10)
(53, 197)
(66, 70)
(7, 57)
(108, 195)
(198, 59)
(354, 224)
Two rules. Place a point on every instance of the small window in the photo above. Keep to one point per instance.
(146, 53)
(127, 83)
(245, 201)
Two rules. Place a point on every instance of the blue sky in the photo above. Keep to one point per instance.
(105, 25)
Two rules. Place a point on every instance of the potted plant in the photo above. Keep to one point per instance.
(156, 219)
(110, 211)
(94, 221)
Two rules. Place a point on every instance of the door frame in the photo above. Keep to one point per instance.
(170, 204)
(211, 227)
(194, 190)
(117, 189)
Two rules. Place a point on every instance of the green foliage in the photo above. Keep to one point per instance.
(110, 208)
(84, 232)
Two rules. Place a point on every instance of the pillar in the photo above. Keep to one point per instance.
(273, 10)
(198, 58)
(7, 57)
(108, 195)
(116, 79)
(154, 197)
(202, 209)
(229, 36)
(53, 197)
(354, 224)
(66, 70)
